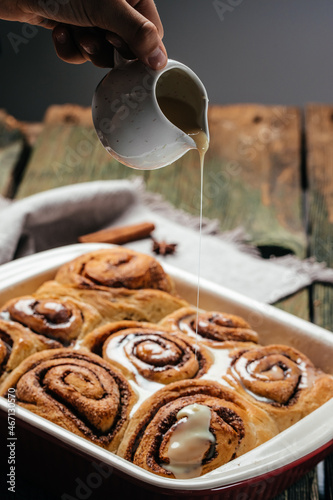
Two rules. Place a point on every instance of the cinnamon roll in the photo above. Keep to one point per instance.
(159, 427)
(147, 352)
(215, 329)
(280, 380)
(61, 319)
(119, 304)
(17, 343)
(117, 267)
(76, 390)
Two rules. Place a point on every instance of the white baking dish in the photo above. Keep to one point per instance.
(284, 451)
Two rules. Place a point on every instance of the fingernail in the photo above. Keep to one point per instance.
(157, 59)
(114, 40)
(61, 37)
(90, 48)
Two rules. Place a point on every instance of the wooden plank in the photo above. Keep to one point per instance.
(305, 489)
(319, 141)
(260, 148)
(11, 147)
(67, 154)
(16, 140)
(297, 304)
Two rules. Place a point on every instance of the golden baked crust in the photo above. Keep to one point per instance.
(76, 390)
(281, 380)
(117, 267)
(216, 329)
(17, 343)
(237, 425)
(119, 304)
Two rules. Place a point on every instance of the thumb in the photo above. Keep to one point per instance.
(140, 34)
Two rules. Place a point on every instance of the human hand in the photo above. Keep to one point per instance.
(89, 30)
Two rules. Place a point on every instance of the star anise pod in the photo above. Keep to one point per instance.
(163, 248)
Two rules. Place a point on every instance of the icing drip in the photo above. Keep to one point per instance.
(190, 441)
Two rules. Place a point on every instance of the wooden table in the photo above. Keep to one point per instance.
(268, 169)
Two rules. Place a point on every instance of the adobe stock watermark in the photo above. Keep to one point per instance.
(127, 102)
(11, 440)
(256, 489)
(219, 182)
(223, 7)
(94, 480)
(251, 145)
(29, 31)
(74, 156)
(121, 108)
(265, 487)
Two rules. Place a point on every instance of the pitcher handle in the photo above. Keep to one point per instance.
(119, 60)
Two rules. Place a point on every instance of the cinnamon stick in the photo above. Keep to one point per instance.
(119, 235)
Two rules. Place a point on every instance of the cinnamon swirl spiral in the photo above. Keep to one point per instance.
(17, 343)
(147, 352)
(61, 319)
(280, 380)
(236, 426)
(215, 329)
(76, 390)
(116, 267)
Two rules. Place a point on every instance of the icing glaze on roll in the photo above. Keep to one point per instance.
(190, 441)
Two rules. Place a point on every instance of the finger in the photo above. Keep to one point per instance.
(144, 41)
(140, 34)
(148, 9)
(94, 46)
(78, 45)
(65, 46)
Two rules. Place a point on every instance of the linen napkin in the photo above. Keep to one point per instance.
(59, 216)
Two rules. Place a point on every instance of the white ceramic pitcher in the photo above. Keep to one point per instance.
(129, 121)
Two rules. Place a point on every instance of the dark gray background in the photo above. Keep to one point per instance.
(271, 52)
